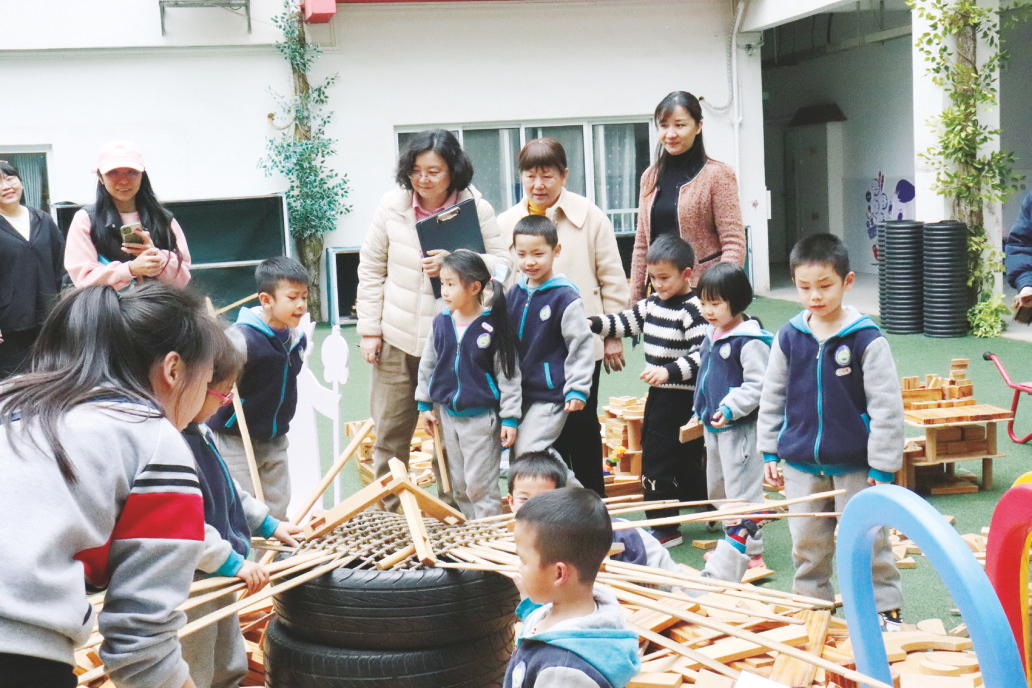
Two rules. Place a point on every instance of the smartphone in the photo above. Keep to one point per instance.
(128, 236)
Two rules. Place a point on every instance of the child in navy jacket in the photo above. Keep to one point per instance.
(573, 633)
(557, 354)
(469, 370)
(216, 654)
(832, 409)
(733, 362)
(268, 387)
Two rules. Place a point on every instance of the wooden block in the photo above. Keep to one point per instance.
(732, 649)
(913, 641)
(755, 574)
(960, 363)
(954, 434)
(709, 679)
(692, 430)
(906, 563)
(657, 622)
(704, 544)
(964, 446)
(934, 626)
(413, 516)
(794, 672)
(959, 487)
(965, 662)
(917, 394)
(972, 432)
(656, 680)
(975, 542)
(949, 519)
(968, 401)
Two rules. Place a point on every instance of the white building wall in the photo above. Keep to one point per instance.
(199, 113)
(873, 87)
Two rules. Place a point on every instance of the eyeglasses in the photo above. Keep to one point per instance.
(435, 176)
(224, 399)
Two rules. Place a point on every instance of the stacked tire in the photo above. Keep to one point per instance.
(364, 628)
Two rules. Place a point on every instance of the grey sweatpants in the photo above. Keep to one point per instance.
(474, 458)
(734, 470)
(813, 539)
(216, 654)
(273, 469)
(392, 404)
(539, 428)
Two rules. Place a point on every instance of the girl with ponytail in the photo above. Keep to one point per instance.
(95, 468)
(469, 369)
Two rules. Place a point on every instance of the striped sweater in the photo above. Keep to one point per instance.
(673, 333)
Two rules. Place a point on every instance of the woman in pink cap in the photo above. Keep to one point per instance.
(96, 252)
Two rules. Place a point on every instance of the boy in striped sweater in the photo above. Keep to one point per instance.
(674, 329)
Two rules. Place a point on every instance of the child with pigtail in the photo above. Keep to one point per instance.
(469, 371)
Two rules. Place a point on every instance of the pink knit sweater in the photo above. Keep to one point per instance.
(708, 215)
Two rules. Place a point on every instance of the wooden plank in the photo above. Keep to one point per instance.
(356, 503)
(657, 680)
(704, 544)
(708, 679)
(793, 672)
(732, 649)
(692, 430)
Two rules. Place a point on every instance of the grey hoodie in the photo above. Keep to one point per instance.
(133, 522)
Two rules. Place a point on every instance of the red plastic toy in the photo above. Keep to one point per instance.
(1019, 389)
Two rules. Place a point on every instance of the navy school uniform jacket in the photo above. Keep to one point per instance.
(835, 406)
(230, 514)
(557, 353)
(465, 376)
(597, 649)
(731, 372)
(268, 387)
(1019, 247)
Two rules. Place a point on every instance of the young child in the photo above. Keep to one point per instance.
(268, 387)
(674, 330)
(573, 633)
(538, 472)
(557, 353)
(469, 369)
(733, 362)
(216, 654)
(831, 408)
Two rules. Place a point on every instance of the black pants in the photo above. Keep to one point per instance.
(580, 442)
(669, 469)
(14, 350)
(20, 671)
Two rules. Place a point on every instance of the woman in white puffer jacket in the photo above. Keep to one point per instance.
(396, 303)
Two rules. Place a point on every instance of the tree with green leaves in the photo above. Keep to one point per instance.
(302, 151)
(967, 170)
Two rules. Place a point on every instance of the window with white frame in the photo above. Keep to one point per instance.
(606, 160)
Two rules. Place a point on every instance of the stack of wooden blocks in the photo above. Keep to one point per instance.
(937, 392)
(420, 456)
(621, 444)
(957, 428)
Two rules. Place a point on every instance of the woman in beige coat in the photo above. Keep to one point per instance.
(590, 258)
(396, 303)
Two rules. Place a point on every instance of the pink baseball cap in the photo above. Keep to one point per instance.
(118, 154)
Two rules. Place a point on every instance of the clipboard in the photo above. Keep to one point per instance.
(451, 229)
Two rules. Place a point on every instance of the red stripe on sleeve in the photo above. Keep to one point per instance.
(95, 564)
(163, 515)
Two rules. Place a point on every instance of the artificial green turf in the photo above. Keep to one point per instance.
(923, 590)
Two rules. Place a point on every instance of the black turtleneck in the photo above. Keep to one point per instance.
(678, 171)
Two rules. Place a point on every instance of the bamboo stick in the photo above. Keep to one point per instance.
(241, 302)
(238, 409)
(749, 509)
(265, 594)
(684, 651)
(669, 504)
(685, 576)
(442, 465)
(337, 467)
(614, 581)
(705, 622)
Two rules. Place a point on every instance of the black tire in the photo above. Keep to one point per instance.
(294, 663)
(398, 610)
